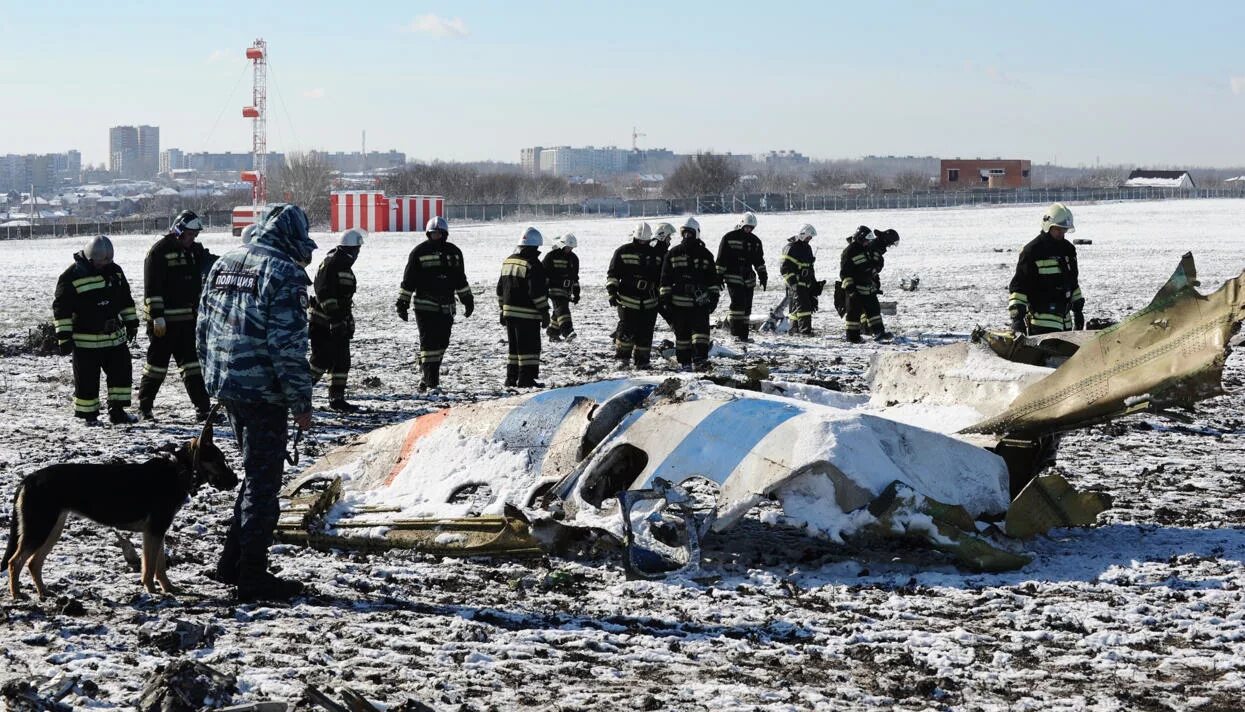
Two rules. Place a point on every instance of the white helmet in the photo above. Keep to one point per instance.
(567, 240)
(352, 237)
(98, 250)
(807, 232)
(248, 233)
(748, 219)
(437, 223)
(642, 232)
(1057, 215)
(664, 232)
(690, 224)
(531, 238)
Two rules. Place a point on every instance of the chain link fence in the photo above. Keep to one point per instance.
(699, 205)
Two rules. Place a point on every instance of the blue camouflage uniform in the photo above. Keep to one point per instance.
(252, 341)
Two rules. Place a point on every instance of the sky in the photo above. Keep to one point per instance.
(1076, 83)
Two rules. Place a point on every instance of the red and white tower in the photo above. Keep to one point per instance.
(257, 112)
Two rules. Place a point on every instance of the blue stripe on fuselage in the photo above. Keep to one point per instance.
(531, 424)
(716, 446)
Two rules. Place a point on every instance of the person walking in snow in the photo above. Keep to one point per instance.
(523, 298)
(741, 262)
(435, 274)
(690, 288)
(562, 269)
(332, 317)
(1046, 289)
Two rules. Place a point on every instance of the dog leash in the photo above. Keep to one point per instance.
(298, 436)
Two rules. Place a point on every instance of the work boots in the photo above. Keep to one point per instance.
(854, 337)
(341, 405)
(512, 375)
(118, 416)
(256, 583)
(527, 377)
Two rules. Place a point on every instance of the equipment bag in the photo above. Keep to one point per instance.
(840, 298)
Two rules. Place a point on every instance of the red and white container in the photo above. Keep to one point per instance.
(411, 213)
(364, 209)
(244, 215)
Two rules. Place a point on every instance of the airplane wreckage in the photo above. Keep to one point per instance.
(946, 448)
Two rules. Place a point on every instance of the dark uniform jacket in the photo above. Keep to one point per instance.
(741, 259)
(1046, 284)
(562, 270)
(173, 279)
(435, 272)
(93, 306)
(797, 264)
(633, 275)
(689, 275)
(334, 287)
(859, 267)
(523, 289)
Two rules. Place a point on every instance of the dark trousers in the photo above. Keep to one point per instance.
(800, 308)
(740, 308)
(691, 335)
(560, 323)
(178, 342)
(523, 356)
(434, 339)
(863, 314)
(330, 354)
(635, 335)
(114, 362)
(260, 431)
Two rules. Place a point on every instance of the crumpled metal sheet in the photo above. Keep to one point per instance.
(1170, 354)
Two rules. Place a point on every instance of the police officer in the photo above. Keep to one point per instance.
(562, 270)
(435, 273)
(332, 317)
(800, 276)
(690, 288)
(631, 282)
(253, 345)
(523, 297)
(1046, 291)
(741, 262)
(172, 280)
(859, 268)
(94, 317)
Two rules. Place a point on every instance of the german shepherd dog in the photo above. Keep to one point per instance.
(134, 497)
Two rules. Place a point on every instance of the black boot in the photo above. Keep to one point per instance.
(341, 405)
(882, 335)
(256, 583)
(853, 337)
(512, 375)
(118, 416)
(144, 410)
(527, 377)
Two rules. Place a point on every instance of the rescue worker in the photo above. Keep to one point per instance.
(253, 345)
(95, 318)
(332, 317)
(1046, 291)
(523, 298)
(690, 288)
(741, 262)
(631, 282)
(435, 273)
(859, 267)
(800, 276)
(662, 234)
(562, 270)
(172, 281)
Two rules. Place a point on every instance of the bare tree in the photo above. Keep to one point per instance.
(305, 180)
(702, 174)
(911, 181)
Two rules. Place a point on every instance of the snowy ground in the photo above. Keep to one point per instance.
(1143, 612)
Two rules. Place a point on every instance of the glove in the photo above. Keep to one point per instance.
(613, 299)
(575, 294)
(402, 310)
(158, 327)
(339, 329)
(545, 321)
(131, 331)
(817, 288)
(813, 305)
(469, 306)
(66, 347)
(1078, 318)
(764, 282)
(502, 319)
(349, 328)
(1018, 322)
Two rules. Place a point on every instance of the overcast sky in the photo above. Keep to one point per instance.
(1151, 83)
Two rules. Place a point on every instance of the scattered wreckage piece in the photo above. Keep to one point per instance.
(1050, 502)
(1170, 354)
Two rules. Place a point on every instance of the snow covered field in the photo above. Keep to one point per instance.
(1142, 612)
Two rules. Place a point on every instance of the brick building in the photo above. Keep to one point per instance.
(966, 174)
